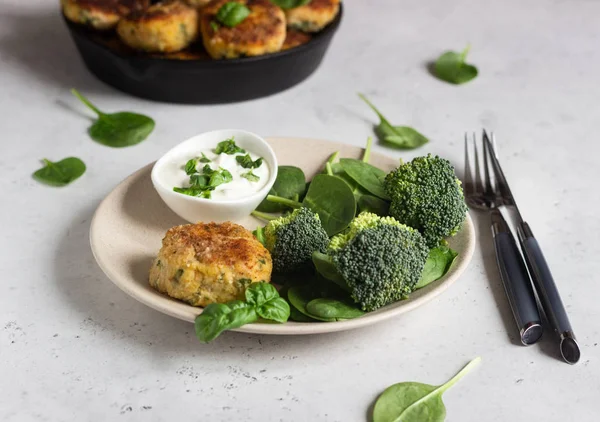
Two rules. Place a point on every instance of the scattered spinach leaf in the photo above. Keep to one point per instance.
(332, 309)
(250, 176)
(451, 67)
(438, 263)
(120, 129)
(246, 161)
(367, 176)
(204, 158)
(218, 317)
(290, 4)
(373, 204)
(415, 402)
(228, 147)
(60, 173)
(232, 13)
(403, 137)
(331, 198)
(290, 182)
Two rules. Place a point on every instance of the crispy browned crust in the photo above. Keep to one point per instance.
(295, 38)
(159, 11)
(213, 243)
(323, 4)
(120, 7)
(262, 23)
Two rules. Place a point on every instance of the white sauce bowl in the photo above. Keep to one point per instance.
(195, 209)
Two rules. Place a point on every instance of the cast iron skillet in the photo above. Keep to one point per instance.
(201, 81)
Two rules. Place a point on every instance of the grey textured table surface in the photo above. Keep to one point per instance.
(74, 347)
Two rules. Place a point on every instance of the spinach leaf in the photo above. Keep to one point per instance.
(204, 158)
(290, 4)
(325, 267)
(289, 183)
(117, 130)
(332, 309)
(296, 315)
(367, 176)
(403, 137)
(250, 176)
(373, 204)
(438, 263)
(300, 296)
(328, 196)
(60, 173)
(228, 147)
(218, 317)
(232, 13)
(415, 402)
(332, 199)
(451, 67)
(246, 161)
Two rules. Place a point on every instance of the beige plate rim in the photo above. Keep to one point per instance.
(180, 310)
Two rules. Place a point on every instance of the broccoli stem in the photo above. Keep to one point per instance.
(284, 201)
(367, 153)
(264, 215)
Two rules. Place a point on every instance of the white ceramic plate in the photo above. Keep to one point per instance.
(129, 225)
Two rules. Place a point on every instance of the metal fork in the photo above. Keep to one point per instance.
(482, 193)
(543, 282)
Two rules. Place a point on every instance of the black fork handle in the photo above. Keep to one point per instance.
(515, 279)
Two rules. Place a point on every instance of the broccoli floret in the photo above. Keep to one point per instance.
(379, 259)
(293, 238)
(426, 195)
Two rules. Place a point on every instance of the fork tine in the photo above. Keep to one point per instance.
(501, 182)
(468, 182)
(478, 182)
(489, 190)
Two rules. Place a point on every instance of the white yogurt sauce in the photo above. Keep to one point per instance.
(173, 174)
